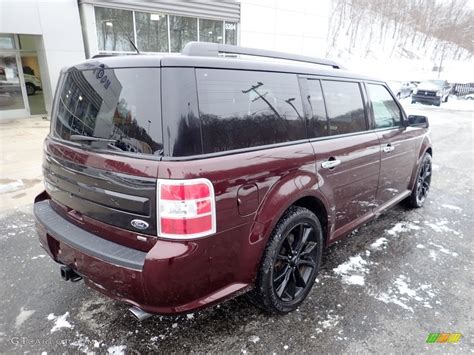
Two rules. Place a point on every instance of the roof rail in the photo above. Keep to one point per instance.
(207, 49)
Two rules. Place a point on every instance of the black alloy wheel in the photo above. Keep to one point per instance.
(295, 262)
(422, 183)
(290, 262)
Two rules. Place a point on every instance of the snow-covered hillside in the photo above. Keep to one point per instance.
(401, 43)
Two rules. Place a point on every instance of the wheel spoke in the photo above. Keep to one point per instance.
(308, 249)
(287, 245)
(304, 234)
(300, 282)
(310, 263)
(281, 275)
(291, 289)
(284, 284)
(282, 257)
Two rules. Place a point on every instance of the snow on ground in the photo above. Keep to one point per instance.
(116, 350)
(38, 257)
(440, 227)
(454, 103)
(401, 293)
(401, 227)
(381, 242)
(451, 207)
(254, 339)
(11, 186)
(353, 271)
(22, 317)
(444, 250)
(60, 321)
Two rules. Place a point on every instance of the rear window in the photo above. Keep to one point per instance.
(240, 109)
(115, 109)
(344, 106)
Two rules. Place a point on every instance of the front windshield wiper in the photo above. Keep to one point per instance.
(79, 138)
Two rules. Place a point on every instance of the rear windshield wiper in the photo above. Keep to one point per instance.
(111, 143)
(79, 138)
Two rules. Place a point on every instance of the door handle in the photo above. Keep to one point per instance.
(388, 148)
(331, 163)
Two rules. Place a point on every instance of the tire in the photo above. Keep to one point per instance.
(446, 99)
(30, 89)
(289, 267)
(413, 101)
(422, 184)
(438, 103)
(398, 95)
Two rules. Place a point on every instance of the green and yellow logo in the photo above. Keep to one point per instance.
(451, 338)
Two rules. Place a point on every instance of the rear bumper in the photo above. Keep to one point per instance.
(173, 277)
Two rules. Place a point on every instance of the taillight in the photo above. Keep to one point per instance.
(185, 208)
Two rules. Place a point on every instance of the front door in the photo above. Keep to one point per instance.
(398, 145)
(347, 154)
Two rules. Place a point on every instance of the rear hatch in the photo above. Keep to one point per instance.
(101, 158)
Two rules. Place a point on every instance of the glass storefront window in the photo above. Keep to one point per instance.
(210, 31)
(230, 33)
(182, 31)
(152, 32)
(114, 29)
(10, 90)
(7, 41)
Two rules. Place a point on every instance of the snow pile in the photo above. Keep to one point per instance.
(353, 271)
(402, 227)
(254, 339)
(381, 242)
(22, 317)
(116, 350)
(60, 322)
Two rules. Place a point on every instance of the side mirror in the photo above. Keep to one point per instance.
(418, 121)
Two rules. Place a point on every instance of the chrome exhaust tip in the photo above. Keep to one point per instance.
(139, 313)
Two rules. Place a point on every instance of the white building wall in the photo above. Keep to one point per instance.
(295, 26)
(57, 21)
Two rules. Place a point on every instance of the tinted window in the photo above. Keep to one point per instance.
(182, 129)
(344, 106)
(317, 119)
(386, 112)
(118, 107)
(240, 109)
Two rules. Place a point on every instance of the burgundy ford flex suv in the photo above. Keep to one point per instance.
(176, 182)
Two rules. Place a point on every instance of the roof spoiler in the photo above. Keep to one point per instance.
(206, 49)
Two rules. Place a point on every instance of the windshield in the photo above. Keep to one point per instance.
(116, 109)
(439, 83)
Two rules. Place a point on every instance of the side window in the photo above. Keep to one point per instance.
(317, 118)
(240, 109)
(386, 112)
(344, 106)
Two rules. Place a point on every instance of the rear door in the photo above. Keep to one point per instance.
(347, 154)
(398, 144)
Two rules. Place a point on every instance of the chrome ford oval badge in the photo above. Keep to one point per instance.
(139, 224)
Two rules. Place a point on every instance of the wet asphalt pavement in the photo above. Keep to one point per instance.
(382, 289)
